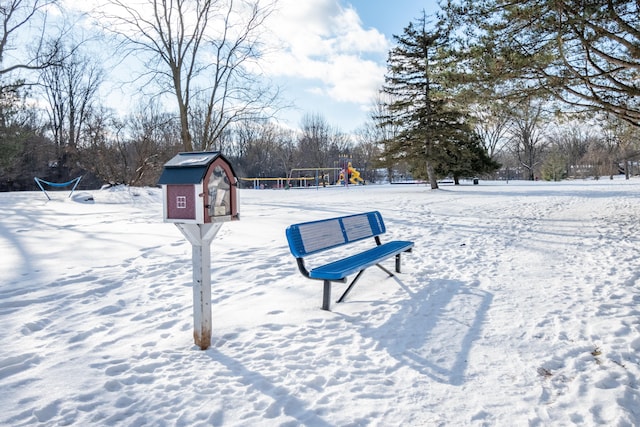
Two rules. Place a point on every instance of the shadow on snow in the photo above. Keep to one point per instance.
(433, 330)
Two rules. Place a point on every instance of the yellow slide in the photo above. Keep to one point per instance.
(354, 175)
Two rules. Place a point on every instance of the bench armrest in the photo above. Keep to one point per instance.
(302, 267)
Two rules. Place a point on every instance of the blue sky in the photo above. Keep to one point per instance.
(332, 55)
(390, 16)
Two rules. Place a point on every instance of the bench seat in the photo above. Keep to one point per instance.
(340, 269)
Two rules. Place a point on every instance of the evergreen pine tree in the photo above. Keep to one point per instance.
(434, 136)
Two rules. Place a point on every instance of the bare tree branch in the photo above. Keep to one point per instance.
(18, 16)
(200, 51)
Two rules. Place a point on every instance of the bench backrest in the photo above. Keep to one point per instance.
(315, 236)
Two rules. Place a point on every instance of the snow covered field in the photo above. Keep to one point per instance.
(520, 305)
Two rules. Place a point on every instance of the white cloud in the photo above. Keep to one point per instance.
(324, 41)
(354, 80)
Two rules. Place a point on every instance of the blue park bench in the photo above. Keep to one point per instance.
(312, 237)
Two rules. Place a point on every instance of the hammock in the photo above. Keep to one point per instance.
(57, 184)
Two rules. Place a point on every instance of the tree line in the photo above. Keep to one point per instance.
(538, 90)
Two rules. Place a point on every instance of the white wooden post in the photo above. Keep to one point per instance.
(200, 237)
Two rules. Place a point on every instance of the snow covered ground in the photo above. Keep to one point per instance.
(520, 305)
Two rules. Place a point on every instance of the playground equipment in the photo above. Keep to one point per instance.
(321, 176)
(308, 177)
(74, 181)
(352, 174)
(261, 183)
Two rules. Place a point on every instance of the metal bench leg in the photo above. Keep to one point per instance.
(344, 295)
(397, 263)
(384, 269)
(326, 295)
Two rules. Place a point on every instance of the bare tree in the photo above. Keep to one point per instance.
(600, 157)
(132, 150)
(366, 151)
(572, 140)
(491, 123)
(262, 149)
(527, 140)
(153, 139)
(71, 90)
(102, 136)
(18, 16)
(319, 144)
(198, 50)
(623, 142)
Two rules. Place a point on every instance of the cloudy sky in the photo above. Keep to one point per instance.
(329, 56)
(333, 55)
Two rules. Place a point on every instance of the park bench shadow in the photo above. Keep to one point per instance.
(434, 329)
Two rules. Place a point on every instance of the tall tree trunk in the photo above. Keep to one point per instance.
(432, 176)
(185, 134)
